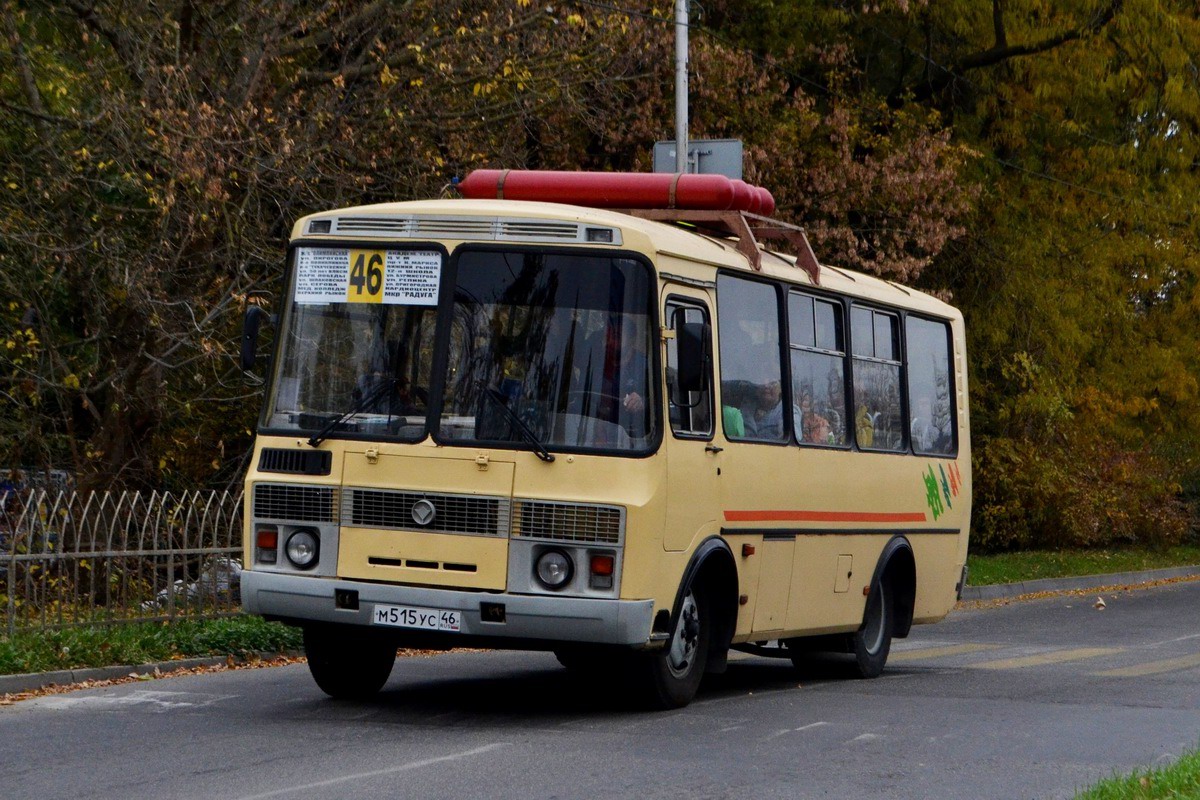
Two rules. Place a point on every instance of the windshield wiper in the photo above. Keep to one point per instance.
(528, 435)
(376, 392)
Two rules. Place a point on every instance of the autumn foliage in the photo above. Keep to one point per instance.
(1033, 161)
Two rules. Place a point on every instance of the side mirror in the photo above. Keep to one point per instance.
(250, 325)
(691, 341)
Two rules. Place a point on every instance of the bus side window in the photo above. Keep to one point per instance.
(875, 338)
(930, 387)
(690, 412)
(818, 370)
(751, 363)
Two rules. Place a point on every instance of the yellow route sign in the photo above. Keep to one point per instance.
(366, 276)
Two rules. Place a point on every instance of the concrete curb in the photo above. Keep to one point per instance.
(32, 681)
(1003, 590)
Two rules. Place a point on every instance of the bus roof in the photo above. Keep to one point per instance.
(662, 238)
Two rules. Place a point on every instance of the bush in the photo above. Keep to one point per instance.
(1085, 492)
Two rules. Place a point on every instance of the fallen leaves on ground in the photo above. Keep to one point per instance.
(253, 661)
(1126, 588)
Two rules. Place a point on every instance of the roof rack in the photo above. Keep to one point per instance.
(747, 227)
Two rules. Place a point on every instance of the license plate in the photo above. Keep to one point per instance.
(426, 619)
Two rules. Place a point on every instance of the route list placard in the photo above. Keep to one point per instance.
(395, 277)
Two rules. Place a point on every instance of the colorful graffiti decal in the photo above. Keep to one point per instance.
(932, 496)
(939, 493)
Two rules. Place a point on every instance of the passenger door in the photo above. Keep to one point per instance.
(692, 460)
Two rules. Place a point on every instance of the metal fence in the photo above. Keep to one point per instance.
(69, 558)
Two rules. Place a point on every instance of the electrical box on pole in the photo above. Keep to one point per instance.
(706, 156)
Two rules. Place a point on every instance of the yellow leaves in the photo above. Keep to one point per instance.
(575, 20)
(71, 381)
(388, 78)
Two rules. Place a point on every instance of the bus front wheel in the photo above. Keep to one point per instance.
(348, 666)
(872, 642)
(671, 676)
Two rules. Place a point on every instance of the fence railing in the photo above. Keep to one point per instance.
(69, 558)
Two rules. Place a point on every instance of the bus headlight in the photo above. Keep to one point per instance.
(554, 569)
(302, 548)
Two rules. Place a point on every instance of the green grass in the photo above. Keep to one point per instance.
(1176, 782)
(1030, 565)
(141, 643)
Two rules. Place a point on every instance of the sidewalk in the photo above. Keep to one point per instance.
(28, 682)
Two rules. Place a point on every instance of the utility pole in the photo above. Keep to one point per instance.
(681, 85)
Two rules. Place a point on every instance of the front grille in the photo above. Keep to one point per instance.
(568, 522)
(300, 462)
(300, 503)
(455, 513)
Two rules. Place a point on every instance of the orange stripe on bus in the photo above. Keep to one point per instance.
(822, 516)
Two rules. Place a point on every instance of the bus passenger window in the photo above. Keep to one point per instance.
(751, 368)
(690, 413)
(877, 410)
(818, 370)
(930, 387)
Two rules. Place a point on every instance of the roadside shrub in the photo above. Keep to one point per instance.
(1085, 492)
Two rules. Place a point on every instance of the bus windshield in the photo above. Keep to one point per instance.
(561, 340)
(557, 344)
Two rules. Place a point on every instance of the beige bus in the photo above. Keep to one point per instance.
(633, 442)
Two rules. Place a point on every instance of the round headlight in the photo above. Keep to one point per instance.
(302, 547)
(554, 569)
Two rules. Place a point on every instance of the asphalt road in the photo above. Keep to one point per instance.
(1031, 700)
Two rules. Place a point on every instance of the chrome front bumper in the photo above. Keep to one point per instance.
(532, 617)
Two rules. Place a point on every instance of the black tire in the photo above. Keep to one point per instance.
(348, 664)
(670, 678)
(872, 642)
(589, 660)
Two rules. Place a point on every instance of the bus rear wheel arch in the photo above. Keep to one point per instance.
(887, 614)
(889, 608)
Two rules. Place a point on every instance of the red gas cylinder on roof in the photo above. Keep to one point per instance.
(613, 189)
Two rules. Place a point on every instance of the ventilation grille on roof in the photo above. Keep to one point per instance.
(501, 229)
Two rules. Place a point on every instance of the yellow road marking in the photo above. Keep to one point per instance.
(938, 652)
(1053, 657)
(1153, 667)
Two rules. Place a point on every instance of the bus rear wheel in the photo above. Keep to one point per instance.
(348, 665)
(872, 642)
(671, 677)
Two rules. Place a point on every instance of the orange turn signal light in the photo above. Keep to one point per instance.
(267, 538)
(602, 565)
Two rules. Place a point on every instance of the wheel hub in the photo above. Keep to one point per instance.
(686, 638)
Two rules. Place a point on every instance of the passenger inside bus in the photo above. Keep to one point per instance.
(814, 427)
(763, 417)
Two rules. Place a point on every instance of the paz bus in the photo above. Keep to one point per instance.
(595, 414)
